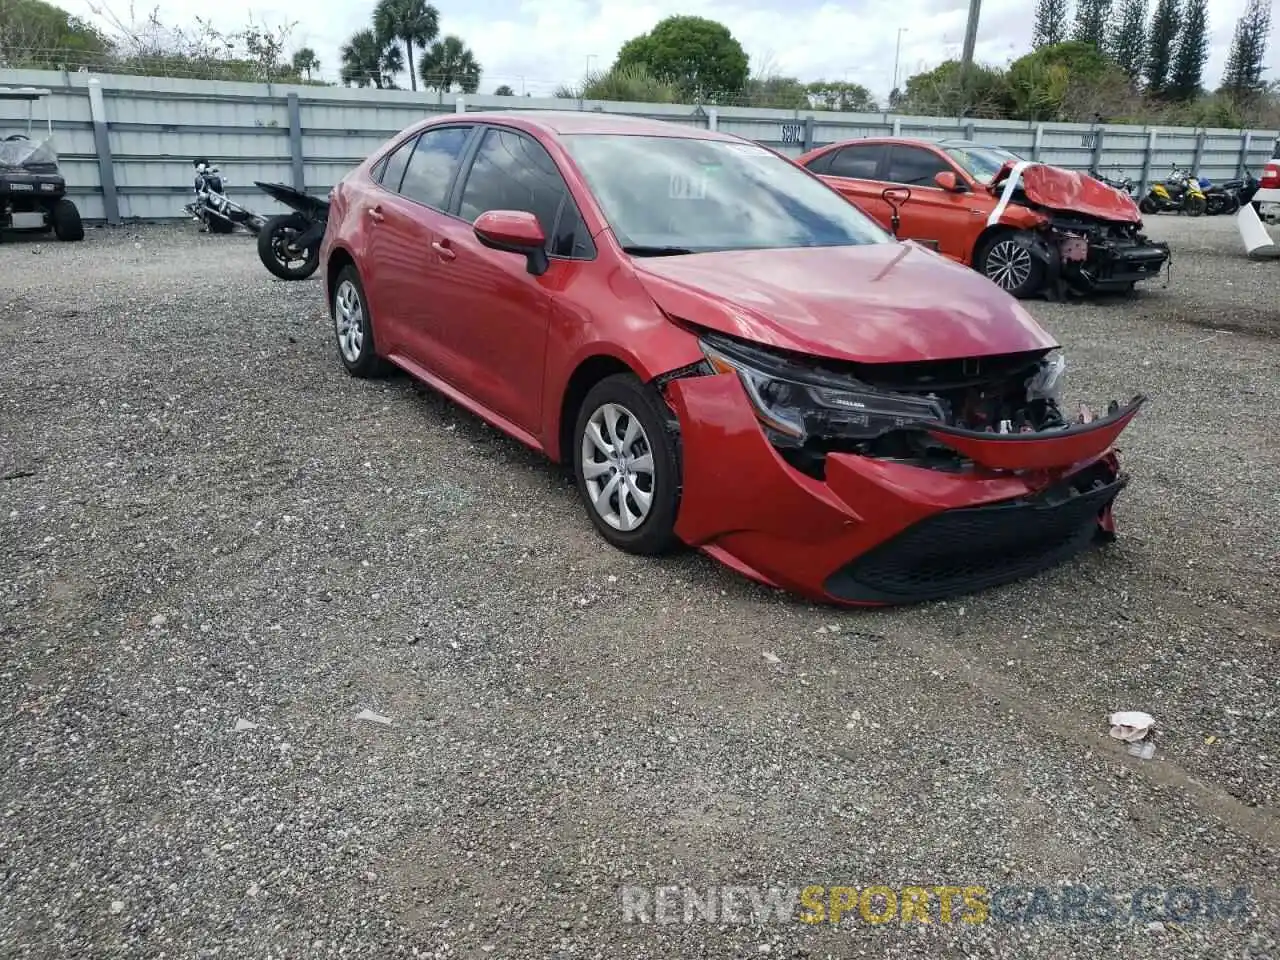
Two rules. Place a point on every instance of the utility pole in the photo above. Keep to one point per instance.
(970, 37)
(897, 53)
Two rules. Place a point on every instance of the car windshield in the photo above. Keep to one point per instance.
(981, 163)
(675, 195)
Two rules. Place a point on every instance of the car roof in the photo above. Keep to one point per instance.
(556, 122)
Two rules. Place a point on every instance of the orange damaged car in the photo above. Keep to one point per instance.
(1031, 228)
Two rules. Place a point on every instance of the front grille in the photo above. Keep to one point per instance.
(974, 548)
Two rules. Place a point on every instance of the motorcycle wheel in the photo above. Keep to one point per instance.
(1147, 205)
(1195, 206)
(272, 239)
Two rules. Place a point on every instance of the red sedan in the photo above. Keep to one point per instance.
(725, 352)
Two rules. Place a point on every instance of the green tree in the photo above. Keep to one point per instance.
(1193, 51)
(633, 84)
(1161, 42)
(35, 34)
(305, 62)
(447, 62)
(1245, 64)
(504, 91)
(776, 91)
(845, 97)
(368, 62)
(1051, 23)
(945, 90)
(699, 56)
(1093, 18)
(1128, 45)
(411, 22)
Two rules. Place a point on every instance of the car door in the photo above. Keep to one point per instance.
(402, 267)
(854, 171)
(947, 221)
(499, 313)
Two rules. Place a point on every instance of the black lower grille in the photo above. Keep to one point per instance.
(973, 548)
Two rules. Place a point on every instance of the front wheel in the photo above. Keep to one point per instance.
(274, 252)
(627, 466)
(1196, 206)
(1007, 262)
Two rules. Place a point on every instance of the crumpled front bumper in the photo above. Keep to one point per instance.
(877, 532)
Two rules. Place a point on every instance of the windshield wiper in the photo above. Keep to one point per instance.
(640, 250)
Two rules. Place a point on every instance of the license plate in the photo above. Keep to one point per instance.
(1074, 249)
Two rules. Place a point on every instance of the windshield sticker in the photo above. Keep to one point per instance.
(682, 187)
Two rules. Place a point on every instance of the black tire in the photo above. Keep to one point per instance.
(359, 356)
(66, 222)
(990, 261)
(218, 225)
(655, 533)
(275, 233)
(1195, 206)
(1147, 205)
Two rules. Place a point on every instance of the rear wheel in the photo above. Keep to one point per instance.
(1007, 262)
(353, 326)
(1147, 205)
(66, 222)
(273, 242)
(626, 465)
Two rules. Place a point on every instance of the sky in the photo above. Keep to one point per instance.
(534, 46)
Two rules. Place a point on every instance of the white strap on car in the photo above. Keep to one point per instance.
(1010, 185)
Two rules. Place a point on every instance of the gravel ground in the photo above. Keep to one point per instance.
(206, 521)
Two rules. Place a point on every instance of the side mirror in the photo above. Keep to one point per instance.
(948, 181)
(514, 231)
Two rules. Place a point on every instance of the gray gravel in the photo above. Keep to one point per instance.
(206, 521)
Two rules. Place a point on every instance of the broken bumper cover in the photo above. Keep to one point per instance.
(877, 532)
(1117, 265)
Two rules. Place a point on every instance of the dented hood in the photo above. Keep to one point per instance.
(1071, 192)
(882, 302)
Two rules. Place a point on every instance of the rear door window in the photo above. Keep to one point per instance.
(432, 165)
(860, 161)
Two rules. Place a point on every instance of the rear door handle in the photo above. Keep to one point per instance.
(375, 214)
(442, 248)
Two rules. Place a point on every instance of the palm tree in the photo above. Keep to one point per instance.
(447, 62)
(305, 61)
(409, 22)
(368, 62)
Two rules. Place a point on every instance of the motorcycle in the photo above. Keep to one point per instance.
(1121, 183)
(289, 244)
(213, 209)
(1180, 192)
(1221, 197)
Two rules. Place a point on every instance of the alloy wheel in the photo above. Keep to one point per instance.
(1008, 264)
(617, 467)
(348, 315)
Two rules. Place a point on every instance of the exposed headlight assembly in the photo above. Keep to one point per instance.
(796, 404)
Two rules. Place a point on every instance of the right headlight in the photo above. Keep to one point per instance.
(799, 404)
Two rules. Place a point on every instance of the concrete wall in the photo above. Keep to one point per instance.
(130, 158)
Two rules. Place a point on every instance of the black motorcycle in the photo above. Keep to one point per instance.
(212, 208)
(289, 244)
(1221, 197)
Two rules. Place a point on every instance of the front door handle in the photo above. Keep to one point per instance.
(442, 248)
(375, 214)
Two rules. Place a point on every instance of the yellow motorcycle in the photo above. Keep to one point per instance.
(1180, 192)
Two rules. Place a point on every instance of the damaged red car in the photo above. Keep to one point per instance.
(1031, 228)
(724, 352)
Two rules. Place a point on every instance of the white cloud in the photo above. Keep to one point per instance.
(535, 45)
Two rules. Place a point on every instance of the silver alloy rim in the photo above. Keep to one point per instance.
(617, 467)
(1009, 264)
(348, 314)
